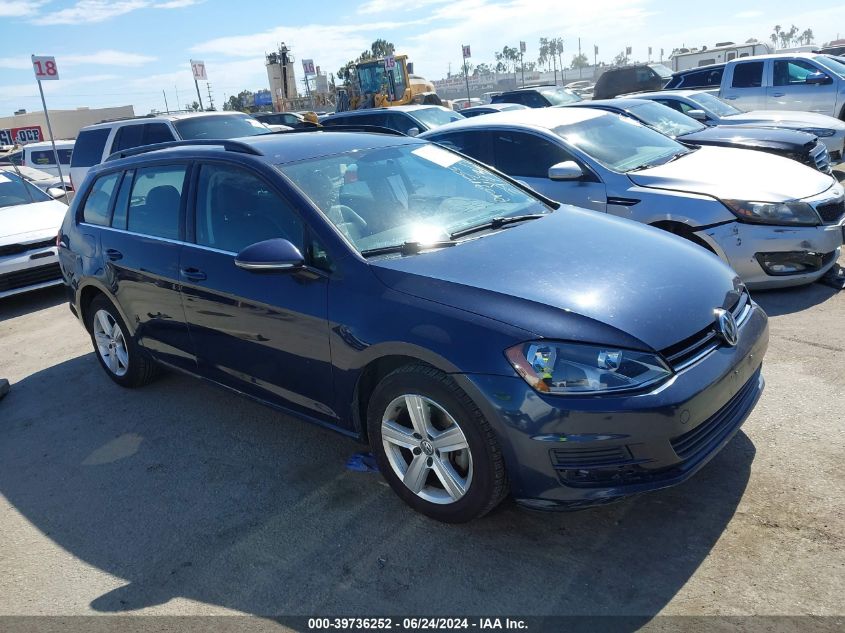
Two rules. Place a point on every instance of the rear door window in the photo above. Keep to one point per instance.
(748, 75)
(45, 157)
(155, 201)
(127, 137)
(520, 154)
(157, 133)
(98, 202)
(89, 146)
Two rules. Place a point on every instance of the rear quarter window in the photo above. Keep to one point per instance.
(45, 157)
(89, 146)
(98, 202)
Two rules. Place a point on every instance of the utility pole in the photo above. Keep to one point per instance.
(210, 99)
(178, 104)
(283, 55)
(166, 107)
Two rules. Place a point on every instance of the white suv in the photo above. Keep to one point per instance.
(40, 155)
(97, 142)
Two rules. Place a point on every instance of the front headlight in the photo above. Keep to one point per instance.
(799, 213)
(819, 131)
(573, 368)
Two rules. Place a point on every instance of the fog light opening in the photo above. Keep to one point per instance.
(790, 263)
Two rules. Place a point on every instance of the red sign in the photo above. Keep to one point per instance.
(21, 135)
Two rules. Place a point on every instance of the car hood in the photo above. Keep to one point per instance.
(786, 118)
(735, 174)
(575, 275)
(30, 222)
(752, 137)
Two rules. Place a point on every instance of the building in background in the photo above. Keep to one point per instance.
(66, 123)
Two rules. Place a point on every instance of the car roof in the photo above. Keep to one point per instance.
(530, 118)
(402, 108)
(42, 144)
(619, 104)
(280, 148)
(705, 68)
(160, 117)
(670, 93)
(495, 106)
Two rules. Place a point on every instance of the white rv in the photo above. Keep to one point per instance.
(722, 52)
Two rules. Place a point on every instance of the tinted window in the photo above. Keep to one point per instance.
(15, 158)
(560, 96)
(748, 75)
(45, 157)
(157, 133)
(519, 154)
(435, 117)
(475, 144)
(219, 127)
(236, 208)
(339, 120)
(96, 209)
(88, 149)
(127, 137)
(121, 205)
(155, 200)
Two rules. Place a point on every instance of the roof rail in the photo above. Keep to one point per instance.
(127, 118)
(373, 129)
(227, 144)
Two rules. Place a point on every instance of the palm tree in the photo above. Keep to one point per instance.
(807, 36)
(775, 36)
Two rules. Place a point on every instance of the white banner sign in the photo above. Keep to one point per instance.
(45, 68)
(308, 66)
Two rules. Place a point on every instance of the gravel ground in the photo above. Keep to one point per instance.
(180, 498)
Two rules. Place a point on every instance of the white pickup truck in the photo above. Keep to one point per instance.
(787, 81)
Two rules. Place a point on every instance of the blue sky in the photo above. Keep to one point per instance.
(118, 52)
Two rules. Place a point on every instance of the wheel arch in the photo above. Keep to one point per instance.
(86, 295)
(682, 230)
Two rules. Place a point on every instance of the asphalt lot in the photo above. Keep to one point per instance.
(180, 498)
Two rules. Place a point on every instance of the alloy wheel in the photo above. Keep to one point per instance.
(111, 343)
(427, 449)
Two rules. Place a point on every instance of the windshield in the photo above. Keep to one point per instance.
(620, 143)
(219, 127)
(388, 196)
(14, 191)
(665, 120)
(435, 117)
(560, 96)
(373, 78)
(663, 71)
(714, 104)
(836, 64)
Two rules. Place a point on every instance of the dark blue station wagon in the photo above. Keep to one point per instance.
(485, 341)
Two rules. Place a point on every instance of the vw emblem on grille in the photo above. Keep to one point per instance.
(726, 326)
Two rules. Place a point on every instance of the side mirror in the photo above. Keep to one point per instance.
(413, 131)
(276, 254)
(567, 170)
(55, 192)
(817, 79)
(698, 115)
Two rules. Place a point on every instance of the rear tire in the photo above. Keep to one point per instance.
(434, 446)
(117, 352)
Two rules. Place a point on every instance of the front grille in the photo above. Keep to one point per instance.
(14, 249)
(692, 349)
(29, 277)
(831, 212)
(701, 439)
(821, 158)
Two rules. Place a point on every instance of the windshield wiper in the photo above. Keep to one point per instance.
(407, 248)
(496, 223)
(665, 162)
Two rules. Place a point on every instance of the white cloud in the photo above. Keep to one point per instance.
(20, 8)
(100, 58)
(394, 6)
(15, 63)
(92, 11)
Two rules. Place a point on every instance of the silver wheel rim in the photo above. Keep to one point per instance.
(111, 343)
(426, 449)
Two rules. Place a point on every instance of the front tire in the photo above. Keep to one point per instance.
(434, 446)
(118, 353)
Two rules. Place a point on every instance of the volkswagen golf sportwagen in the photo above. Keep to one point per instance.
(484, 340)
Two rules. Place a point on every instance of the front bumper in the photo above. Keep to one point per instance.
(740, 244)
(564, 452)
(30, 270)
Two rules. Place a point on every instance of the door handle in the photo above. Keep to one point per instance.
(777, 94)
(113, 254)
(194, 274)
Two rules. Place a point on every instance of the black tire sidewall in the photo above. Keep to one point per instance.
(477, 500)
